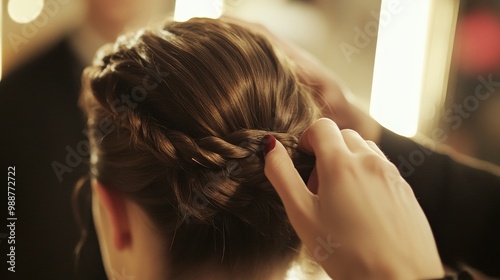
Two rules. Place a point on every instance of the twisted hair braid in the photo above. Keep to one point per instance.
(185, 109)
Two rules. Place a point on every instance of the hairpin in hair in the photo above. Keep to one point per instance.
(193, 159)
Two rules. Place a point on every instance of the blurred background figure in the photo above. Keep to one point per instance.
(42, 126)
(472, 111)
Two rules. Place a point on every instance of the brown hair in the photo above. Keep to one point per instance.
(176, 116)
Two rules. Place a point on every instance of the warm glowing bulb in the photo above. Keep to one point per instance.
(399, 65)
(24, 11)
(412, 62)
(186, 9)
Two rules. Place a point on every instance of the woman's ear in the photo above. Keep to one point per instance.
(113, 210)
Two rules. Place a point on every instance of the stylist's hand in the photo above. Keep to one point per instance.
(364, 221)
(332, 95)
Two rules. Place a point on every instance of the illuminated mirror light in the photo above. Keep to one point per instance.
(399, 64)
(24, 11)
(412, 63)
(186, 9)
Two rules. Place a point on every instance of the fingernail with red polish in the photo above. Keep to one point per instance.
(269, 142)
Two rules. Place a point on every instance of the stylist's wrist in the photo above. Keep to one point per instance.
(363, 123)
(341, 106)
(369, 128)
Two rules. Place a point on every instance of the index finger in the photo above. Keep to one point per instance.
(324, 139)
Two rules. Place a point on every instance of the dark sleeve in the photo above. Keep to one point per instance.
(462, 203)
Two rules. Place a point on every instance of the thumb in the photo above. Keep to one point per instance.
(297, 199)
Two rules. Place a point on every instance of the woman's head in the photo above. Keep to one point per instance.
(176, 117)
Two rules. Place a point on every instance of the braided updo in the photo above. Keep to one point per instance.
(176, 116)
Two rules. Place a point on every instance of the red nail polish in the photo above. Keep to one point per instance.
(269, 142)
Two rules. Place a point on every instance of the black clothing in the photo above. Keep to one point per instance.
(461, 203)
(40, 122)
